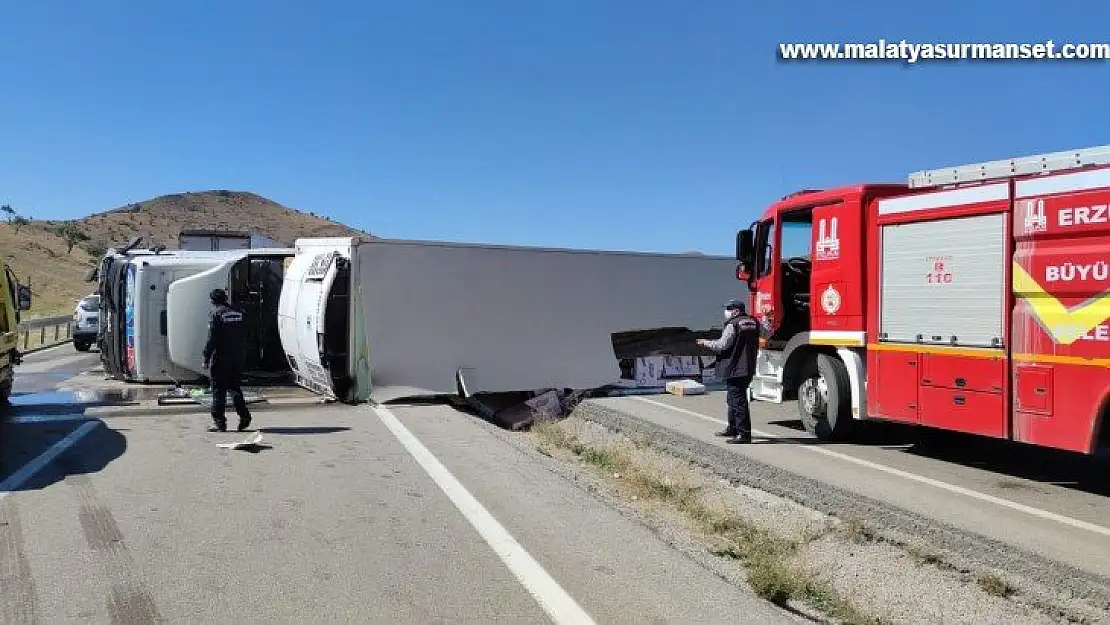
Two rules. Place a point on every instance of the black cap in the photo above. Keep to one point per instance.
(736, 304)
(218, 296)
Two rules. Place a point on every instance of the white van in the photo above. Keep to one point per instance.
(86, 322)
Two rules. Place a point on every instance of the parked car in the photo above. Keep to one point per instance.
(86, 322)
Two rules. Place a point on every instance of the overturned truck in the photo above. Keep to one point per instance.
(384, 320)
(154, 310)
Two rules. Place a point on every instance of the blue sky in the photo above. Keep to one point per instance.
(648, 125)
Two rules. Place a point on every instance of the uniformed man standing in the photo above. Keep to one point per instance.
(736, 351)
(224, 357)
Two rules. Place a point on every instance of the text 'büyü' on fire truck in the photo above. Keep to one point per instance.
(973, 299)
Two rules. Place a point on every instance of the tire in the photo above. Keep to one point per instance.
(82, 346)
(824, 398)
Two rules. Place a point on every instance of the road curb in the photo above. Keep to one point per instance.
(42, 348)
(961, 548)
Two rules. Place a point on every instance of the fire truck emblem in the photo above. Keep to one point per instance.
(830, 300)
(764, 310)
(763, 303)
(828, 243)
(1034, 216)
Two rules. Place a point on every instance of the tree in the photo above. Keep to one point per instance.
(72, 235)
(18, 221)
(9, 211)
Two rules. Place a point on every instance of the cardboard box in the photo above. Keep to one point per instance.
(672, 366)
(709, 375)
(691, 365)
(685, 387)
(649, 371)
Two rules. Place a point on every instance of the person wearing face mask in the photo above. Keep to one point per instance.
(736, 350)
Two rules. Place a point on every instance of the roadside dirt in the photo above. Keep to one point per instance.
(823, 567)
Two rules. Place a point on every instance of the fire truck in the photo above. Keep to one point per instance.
(973, 298)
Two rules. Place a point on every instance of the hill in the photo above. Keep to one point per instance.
(39, 251)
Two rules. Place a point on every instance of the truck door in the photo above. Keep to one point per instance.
(187, 306)
(765, 282)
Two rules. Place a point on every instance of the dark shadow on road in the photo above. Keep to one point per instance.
(305, 430)
(23, 443)
(1006, 458)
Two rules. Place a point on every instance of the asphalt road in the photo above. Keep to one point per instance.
(1053, 504)
(44, 370)
(414, 515)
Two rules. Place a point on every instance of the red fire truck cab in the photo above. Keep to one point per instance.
(973, 298)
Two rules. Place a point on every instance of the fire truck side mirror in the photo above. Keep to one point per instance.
(745, 245)
(742, 272)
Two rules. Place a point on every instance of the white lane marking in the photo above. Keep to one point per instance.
(15, 480)
(1013, 505)
(552, 598)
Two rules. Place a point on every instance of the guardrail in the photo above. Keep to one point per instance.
(47, 330)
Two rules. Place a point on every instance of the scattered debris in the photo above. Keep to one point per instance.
(517, 411)
(254, 440)
(180, 395)
(685, 387)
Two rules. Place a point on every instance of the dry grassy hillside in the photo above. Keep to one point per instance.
(36, 251)
(161, 219)
(56, 277)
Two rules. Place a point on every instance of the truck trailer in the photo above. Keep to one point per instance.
(387, 319)
(223, 240)
(154, 310)
(972, 299)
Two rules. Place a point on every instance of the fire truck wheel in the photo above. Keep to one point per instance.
(824, 404)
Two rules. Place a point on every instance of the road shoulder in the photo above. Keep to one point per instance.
(1025, 580)
(616, 567)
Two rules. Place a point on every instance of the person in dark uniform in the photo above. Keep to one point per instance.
(736, 351)
(224, 356)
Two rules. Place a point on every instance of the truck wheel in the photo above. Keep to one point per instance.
(824, 399)
(82, 346)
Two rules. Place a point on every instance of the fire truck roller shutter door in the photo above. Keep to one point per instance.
(943, 282)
